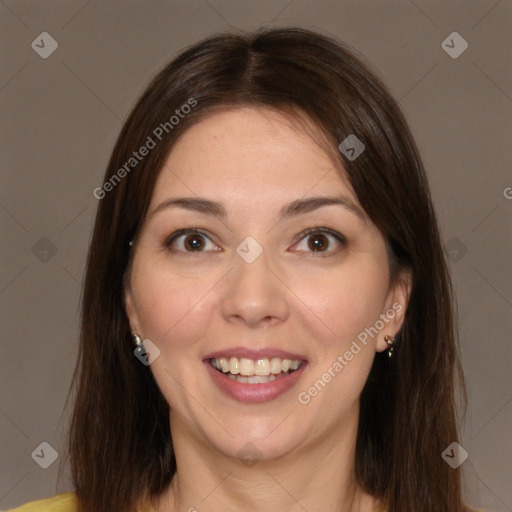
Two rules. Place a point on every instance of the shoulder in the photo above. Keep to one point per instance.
(65, 502)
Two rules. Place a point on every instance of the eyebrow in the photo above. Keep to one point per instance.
(295, 208)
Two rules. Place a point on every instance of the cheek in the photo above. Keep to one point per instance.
(169, 307)
(344, 302)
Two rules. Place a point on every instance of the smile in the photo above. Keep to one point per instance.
(255, 376)
(255, 371)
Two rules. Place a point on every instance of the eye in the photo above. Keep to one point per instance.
(189, 240)
(319, 239)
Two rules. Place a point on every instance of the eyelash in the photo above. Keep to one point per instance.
(308, 232)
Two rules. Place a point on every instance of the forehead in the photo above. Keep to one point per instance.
(251, 154)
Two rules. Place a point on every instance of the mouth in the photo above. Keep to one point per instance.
(255, 376)
(255, 371)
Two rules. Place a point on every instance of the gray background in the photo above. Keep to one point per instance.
(60, 118)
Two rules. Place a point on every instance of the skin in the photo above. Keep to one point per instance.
(291, 298)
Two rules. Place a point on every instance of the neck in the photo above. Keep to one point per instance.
(317, 477)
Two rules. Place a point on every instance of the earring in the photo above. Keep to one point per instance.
(130, 243)
(136, 340)
(390, 340)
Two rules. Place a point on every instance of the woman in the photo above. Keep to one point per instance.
(266, 240)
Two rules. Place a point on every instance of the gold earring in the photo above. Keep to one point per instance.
(136, 340)
(390, 340)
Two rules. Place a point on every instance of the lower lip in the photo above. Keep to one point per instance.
(254, 393)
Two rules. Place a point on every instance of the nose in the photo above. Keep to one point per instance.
(254, 294)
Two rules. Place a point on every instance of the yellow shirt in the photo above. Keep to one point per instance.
(66, 502)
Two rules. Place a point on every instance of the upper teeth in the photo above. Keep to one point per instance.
(244, 366)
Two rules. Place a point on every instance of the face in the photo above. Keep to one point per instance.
(265, 287)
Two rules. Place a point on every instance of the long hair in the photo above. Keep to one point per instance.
(120, 444)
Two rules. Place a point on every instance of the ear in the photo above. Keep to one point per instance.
(129, 306)
(396, 305)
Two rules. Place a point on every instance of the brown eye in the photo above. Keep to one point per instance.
(189, 241)
(193, 242)
(318, 242)
(321, 240)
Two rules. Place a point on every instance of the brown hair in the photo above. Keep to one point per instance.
(120, 443)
